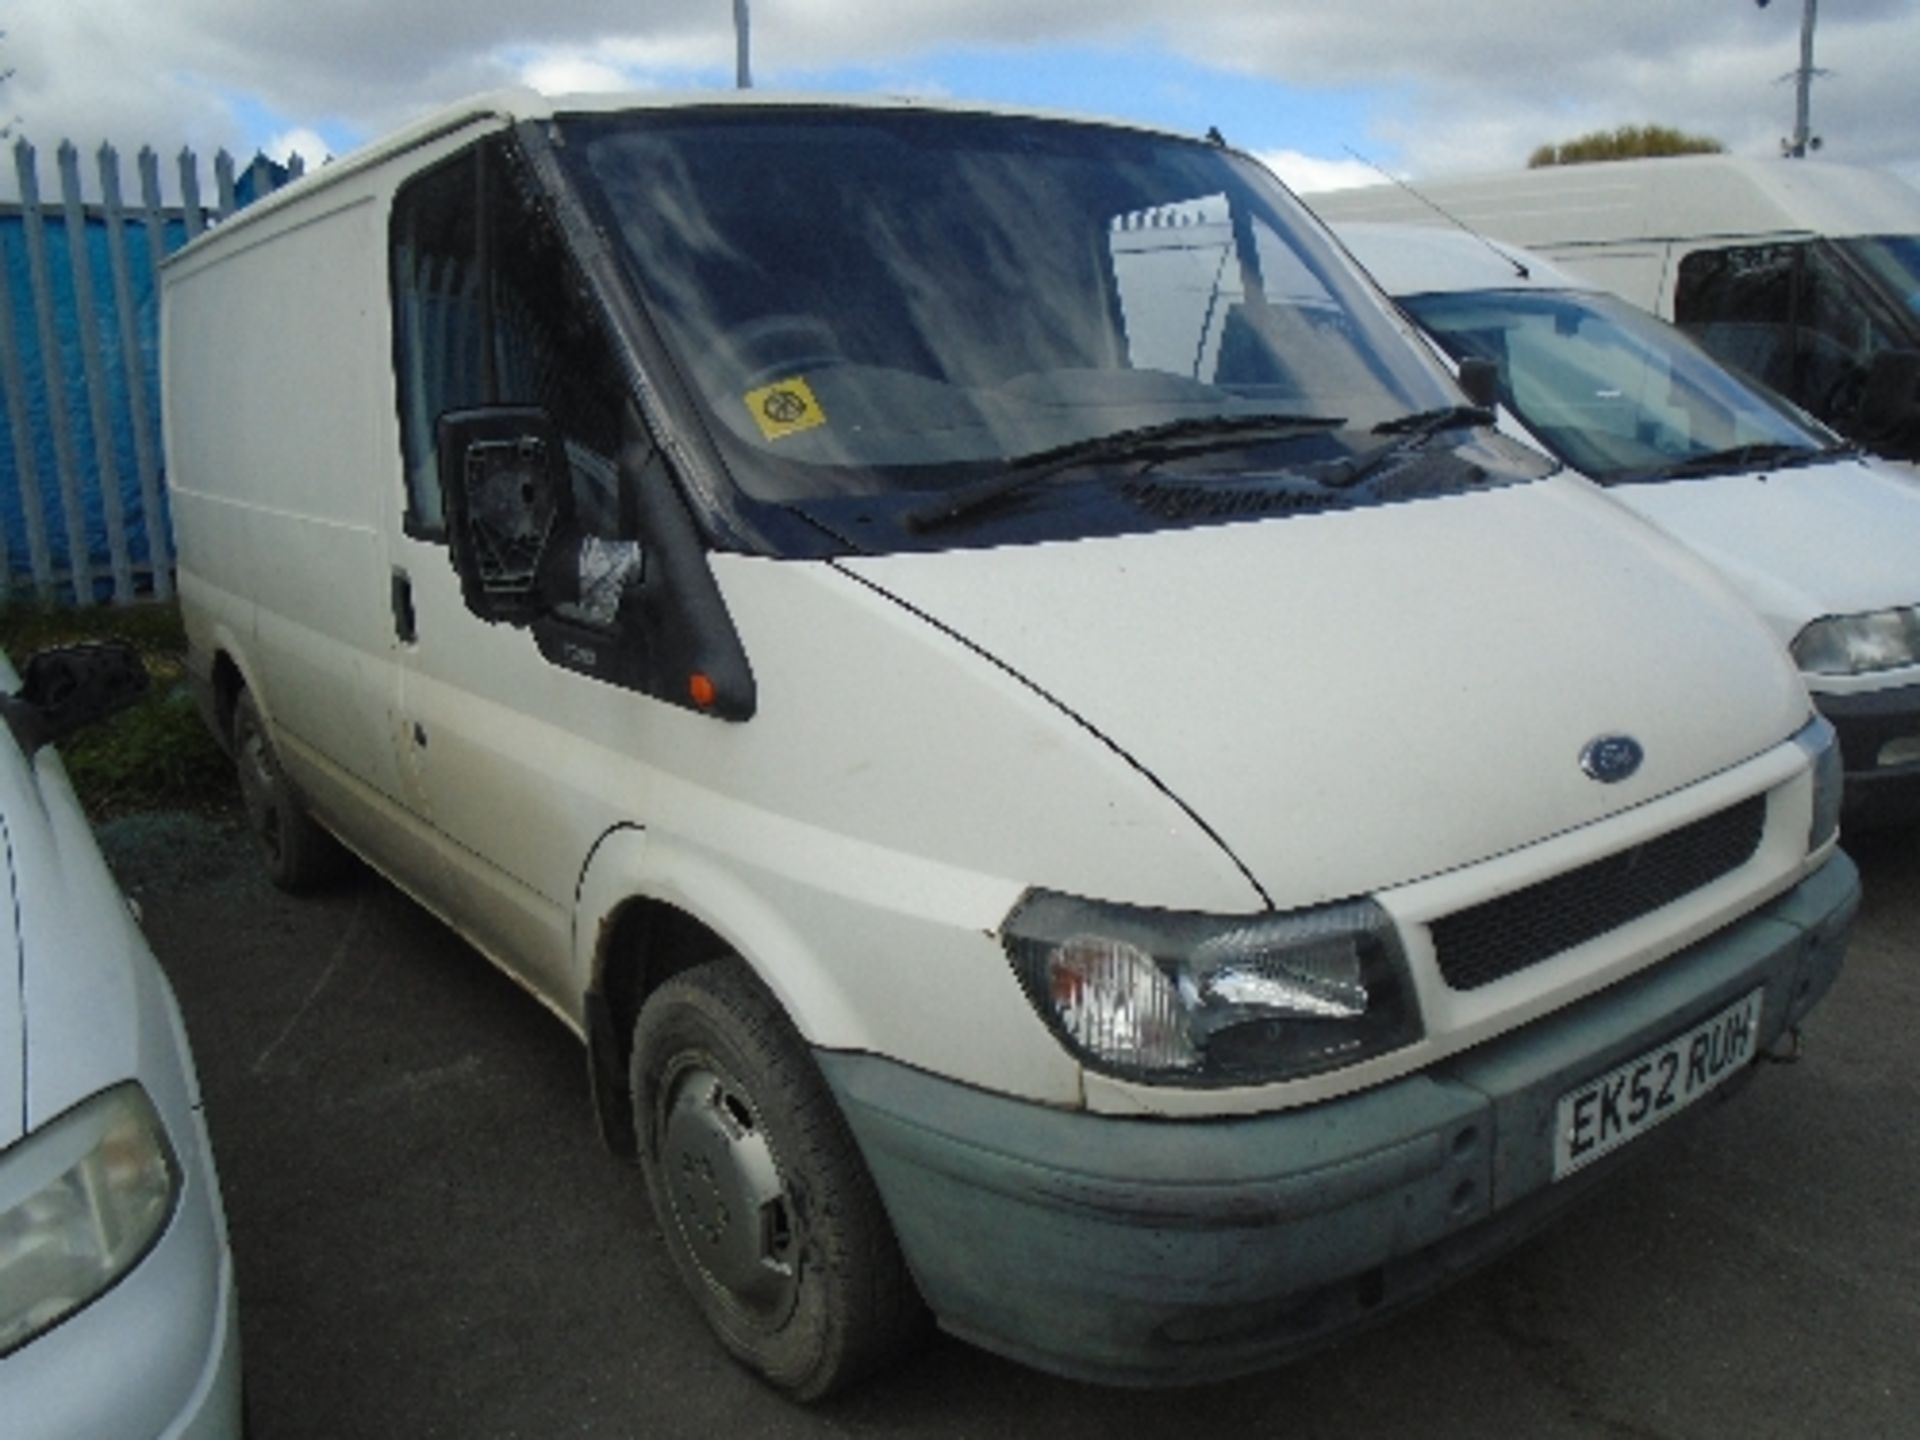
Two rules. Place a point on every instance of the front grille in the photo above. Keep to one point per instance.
(1481, 944)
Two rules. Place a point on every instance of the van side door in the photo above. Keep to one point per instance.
(519, 760)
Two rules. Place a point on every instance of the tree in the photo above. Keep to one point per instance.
(1625, 143)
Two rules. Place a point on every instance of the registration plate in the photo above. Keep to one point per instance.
(1611, 1109)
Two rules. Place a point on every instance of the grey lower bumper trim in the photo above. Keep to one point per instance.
(1159, 1251)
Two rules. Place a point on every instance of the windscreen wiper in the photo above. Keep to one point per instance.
(1409, 432)
(1192, 434)
(1753, 456)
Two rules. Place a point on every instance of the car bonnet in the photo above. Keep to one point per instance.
(1359, 700)
(1837, 538)
(84, 1004)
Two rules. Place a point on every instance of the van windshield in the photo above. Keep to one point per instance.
(874, 302)
(1615, 393)
(1894, 262)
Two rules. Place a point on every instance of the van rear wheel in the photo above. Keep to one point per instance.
(765, 1205)
(298, 854)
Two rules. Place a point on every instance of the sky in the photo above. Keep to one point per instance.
(1327, 93)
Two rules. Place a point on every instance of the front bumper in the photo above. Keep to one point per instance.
(1142, 1251)
(1876, 794)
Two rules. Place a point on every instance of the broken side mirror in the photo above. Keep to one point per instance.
(1888, 420)
(66, 689)
(503, 477)
(646, 613)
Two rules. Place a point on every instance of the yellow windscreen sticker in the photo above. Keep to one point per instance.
(785, 408)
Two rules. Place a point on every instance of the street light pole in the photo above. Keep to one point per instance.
(1803, 139)
(1803, 86)
(742, 69)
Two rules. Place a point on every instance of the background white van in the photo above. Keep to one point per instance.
(1821, 538)
(1802, 273)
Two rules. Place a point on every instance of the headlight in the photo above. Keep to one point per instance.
(1176, 998)
(82, 1200)
(1857, 644)
(1822, 745)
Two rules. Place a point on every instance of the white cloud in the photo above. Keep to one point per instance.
(1309, 173)
(572, 74)
(1476, 85)
(307, 144)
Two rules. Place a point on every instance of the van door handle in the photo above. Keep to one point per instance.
(403, 621)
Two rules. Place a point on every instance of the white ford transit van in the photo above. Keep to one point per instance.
(1822, 539)
(1802, 273)
(1062, 774)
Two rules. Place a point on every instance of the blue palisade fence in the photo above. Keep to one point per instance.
(82, 478)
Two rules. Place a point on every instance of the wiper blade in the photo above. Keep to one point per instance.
(1409, 432)
(1200, 432)
(1740, 457)
(1423, 423)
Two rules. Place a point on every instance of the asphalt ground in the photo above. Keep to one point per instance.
(431, 1241)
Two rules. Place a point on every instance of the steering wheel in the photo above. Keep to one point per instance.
(1841, 400)
(776, 347)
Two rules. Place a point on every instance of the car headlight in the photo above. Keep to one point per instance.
(1178, 998)
(82, 1200)
(1858, 644)
(1822, 745)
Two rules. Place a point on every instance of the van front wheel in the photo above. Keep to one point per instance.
(298, 854)
(771, 1218)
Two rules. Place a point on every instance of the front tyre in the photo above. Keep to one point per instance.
(769, 1213)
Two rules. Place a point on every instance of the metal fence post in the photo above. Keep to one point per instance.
(190, 193)
(93, 371)
(133, 365)
(26, 470)
(53, 369)
(223, 182)
(150, 211)
(156, 222)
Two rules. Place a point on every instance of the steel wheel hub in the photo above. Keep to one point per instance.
(257, 790)
(729, 1200)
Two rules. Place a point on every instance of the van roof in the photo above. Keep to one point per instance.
(1425, 260)
(509, 106)
(1680, 197)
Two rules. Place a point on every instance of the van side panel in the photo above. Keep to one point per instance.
(1640, 272)
(275, 477)
(1699, 198)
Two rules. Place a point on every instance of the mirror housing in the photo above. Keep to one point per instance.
(504, 483)
(1480, 378)
(68, 688)
(674, 639)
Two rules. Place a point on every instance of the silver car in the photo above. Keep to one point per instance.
(117, 1301)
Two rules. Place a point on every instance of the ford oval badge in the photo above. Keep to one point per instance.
(1612, 758)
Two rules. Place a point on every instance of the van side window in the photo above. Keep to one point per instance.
(489, 310)
(1787, 315)
(549, 348)
(439, 340)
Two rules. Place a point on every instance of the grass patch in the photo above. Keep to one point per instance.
(157, 755)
